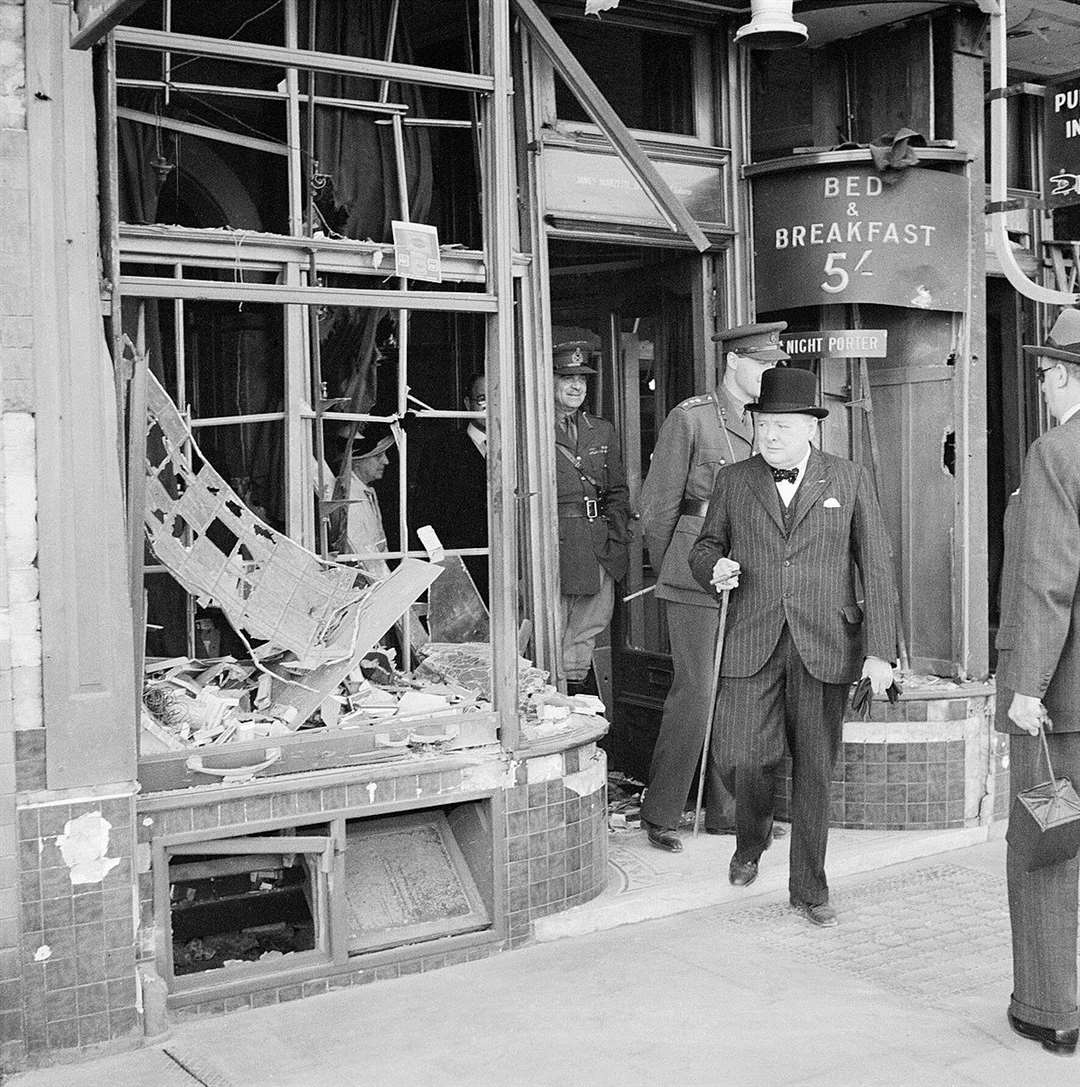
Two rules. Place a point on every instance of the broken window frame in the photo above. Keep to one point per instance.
(299, 258)
(319, 853)
(327, 860)
(622, 140)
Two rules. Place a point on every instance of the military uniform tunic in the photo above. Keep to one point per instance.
(698, 438)
(589, 546)
(594, 515)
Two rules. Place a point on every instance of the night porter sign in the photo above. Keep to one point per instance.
(827, 235)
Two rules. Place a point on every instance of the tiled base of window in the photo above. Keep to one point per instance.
(923, 765)
(279, 994)
(555, 832)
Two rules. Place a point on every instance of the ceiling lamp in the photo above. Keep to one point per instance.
(771, 26)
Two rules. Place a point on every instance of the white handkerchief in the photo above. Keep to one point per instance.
(831, 504)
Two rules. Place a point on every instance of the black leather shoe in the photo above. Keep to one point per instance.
(741, 873)
(817, 913)
(662, 838)
(719, 830)
(1062, 1042)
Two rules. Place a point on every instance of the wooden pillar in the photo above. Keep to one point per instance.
(85, 609)
(970, 588)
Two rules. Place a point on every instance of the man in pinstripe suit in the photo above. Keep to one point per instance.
(786, 530)
(1038, 681)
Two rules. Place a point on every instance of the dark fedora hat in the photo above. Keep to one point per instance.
(786, 390)
(1063, 341)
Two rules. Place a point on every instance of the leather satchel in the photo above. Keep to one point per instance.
(1044, 825)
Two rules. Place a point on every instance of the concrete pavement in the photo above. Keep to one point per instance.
(909, 990)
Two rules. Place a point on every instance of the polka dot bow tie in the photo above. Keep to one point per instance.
(788, 474)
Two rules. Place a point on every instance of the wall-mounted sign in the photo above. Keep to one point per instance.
(842, 234)
(841, 343)
(1061, 144)
(595, 185)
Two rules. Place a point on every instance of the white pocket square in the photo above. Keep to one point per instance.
(831, 504)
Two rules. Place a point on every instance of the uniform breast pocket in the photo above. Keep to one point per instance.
(709, 462)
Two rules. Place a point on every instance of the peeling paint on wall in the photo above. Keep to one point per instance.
(20, 619)
(589, 779)
(83, 845)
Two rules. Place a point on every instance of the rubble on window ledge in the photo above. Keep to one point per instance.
(190, 703)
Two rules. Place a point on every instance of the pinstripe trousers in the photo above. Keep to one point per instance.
(1043, 903)
(754, 716)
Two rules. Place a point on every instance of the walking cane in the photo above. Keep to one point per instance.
(718, 654)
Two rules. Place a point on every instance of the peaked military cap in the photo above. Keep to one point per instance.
(761, 341)
(571, 358)
(1063, 340)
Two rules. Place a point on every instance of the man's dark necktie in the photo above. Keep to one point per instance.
(788, 474)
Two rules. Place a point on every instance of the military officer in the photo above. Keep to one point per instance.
(698, 438)
(594, 514)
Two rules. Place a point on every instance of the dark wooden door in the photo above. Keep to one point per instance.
(640, 325)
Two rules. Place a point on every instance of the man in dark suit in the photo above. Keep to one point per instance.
(786, 530)
(594, 514)
(1038, 681)
(698, 438)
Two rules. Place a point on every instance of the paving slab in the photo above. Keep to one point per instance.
(648, 883)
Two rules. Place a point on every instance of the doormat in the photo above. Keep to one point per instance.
(406, 879)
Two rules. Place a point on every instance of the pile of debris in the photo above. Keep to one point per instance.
(624, 801)
(190, 703)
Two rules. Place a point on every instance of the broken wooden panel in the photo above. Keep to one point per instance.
(268, 586)
(95, 18)
(372, 617)
(407, 880)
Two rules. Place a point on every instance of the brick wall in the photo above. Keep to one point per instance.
(20, 646)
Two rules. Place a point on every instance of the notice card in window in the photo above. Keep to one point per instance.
(416, 251)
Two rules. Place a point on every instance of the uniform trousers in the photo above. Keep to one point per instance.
(582, 619)
(672, 773)
(754, 716)
(1043, 903)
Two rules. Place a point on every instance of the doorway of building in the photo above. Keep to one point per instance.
(1014, 419)
(635, 306)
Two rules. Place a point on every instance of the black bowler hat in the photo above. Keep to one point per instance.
(761, 341)
(1063, 341)
(571, 358)
(786, 390)
(374, 439)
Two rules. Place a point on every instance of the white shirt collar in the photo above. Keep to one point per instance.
(479, 438)
(1069, 414)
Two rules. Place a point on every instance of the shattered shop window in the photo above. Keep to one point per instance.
(205, 141)
(345, 634)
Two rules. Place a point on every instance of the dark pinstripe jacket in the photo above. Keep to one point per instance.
(806, 578)
(1038, 640)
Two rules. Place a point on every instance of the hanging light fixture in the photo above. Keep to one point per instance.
(771, 26)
